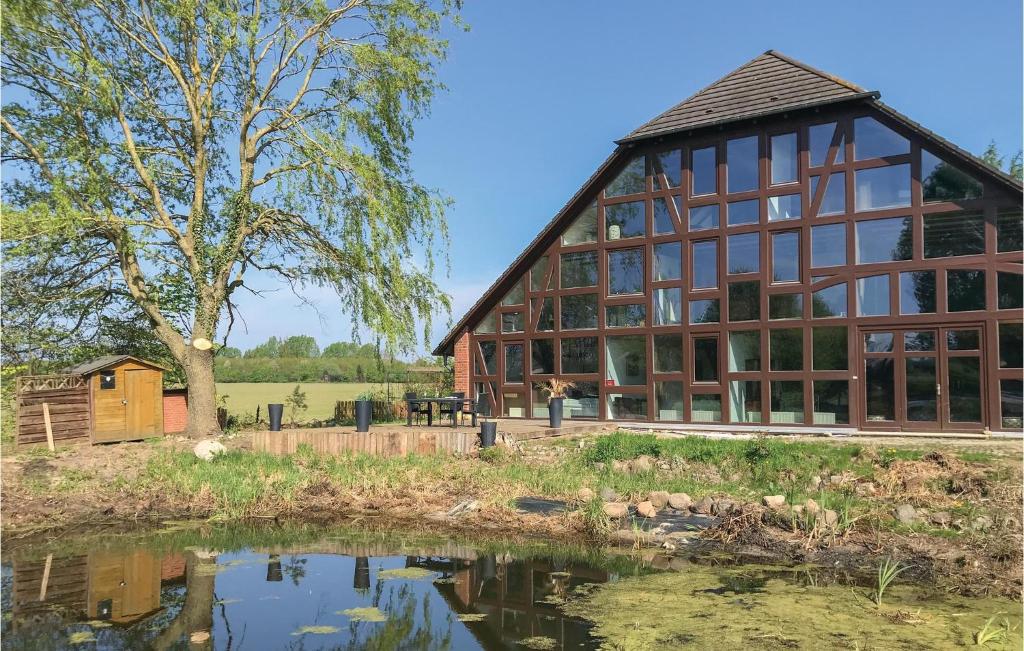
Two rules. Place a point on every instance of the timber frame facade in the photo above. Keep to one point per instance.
(824, 263)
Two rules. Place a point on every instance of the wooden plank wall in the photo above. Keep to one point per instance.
(333, 441)
(69, 415)
(383, 410)
(66, 587)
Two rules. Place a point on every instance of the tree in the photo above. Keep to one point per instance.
(299, 346)
(296, 403)
(169, 149)
(1014, 168)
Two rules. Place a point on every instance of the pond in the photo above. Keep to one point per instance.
(206, 587)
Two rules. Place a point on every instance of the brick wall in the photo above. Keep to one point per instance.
(175, 410)
(462, 364)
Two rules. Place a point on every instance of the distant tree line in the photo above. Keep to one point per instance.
(299, 359)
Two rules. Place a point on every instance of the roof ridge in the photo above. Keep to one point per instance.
(812, 69)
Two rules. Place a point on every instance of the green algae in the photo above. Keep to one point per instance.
(472, 617)
(368, 614)
(409, 573)
(81, 637)
(315, 630)
(751, 607)
(539, 642)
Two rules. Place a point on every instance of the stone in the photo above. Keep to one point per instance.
(658, 498)
(641, 464)
(798, 509)
(680, 501)
(835, 480)
(905, 513)
(830, 517)
(199, 637)
(774, 501)
(865, 489)
(599, 466)
(207, 449)
(616, 509)
(941, 518)
(646, 509)
(608, 494)
(982, 522)
(722, 507)
(703, 506)
(620, 466)
(463, 507)
(812, 507)
(584, 494)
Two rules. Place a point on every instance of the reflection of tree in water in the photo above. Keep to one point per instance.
(410, 624)
(295, 568)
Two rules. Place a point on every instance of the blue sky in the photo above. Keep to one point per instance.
(539, 89)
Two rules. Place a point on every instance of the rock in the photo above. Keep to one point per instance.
(941, 518)
(582, 444)
(905, 513)
(616, 509)
(463, 507)
(207, 449)
(641, 464)
(608, 494)
(658, 498)
(680, 501)
(982, 522)
(661, 561)
(865, 489)
(812, 507)
(798, 509)
(774, 501)
(631, 537)
(199, 637)
(646, 509)
(830, 517)
(703, 506)
(620, 466)
(722, 507)
(599, 466)
(584, 494)
(835, 480)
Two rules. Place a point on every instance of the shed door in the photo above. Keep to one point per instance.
(140, 393)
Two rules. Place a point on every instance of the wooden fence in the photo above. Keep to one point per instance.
(335, 440)
(67, 400)
(383, 411)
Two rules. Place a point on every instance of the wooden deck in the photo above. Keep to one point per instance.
(393, 439)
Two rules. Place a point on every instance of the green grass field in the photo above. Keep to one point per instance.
(242, 397)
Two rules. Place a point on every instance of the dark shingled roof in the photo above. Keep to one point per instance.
(107, 361)
(768, 84)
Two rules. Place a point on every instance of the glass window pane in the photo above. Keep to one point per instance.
(962, 339)
(744, 212)
(668, 401)
(745, 301)
(546, 317)
(871, 139)
(784, 168)
(785, 306)
(742, 164)
(512, 322)
(704, 311)
(965, 290)
(786, 350)
(829, 347)
(515, 296)
(1010, 290)
(705, 176)
(917, 292)
(706, 408)
(1010, 231)
(744, 351)
(884, 240)
(487, 326)
(786, 257)
(542, 356)
(745, 401)
(668, 261)
(940, 181)
(964, 389)
(579, 355)
(513, 405)
(539, 407)
(919, 340)
(668, 354)
(834, 200)
(880, 388)
(579, 311)
(1011, 343)
(513, 362)
(784, 207)
(489, 353)
(819, 141)
(626, 316)
(538, 273)
(704, 217)
(744, 253)
(581, 401)
(626, 271)
(624, 220)
(950, 234)
(705, 264)
(627, 406)
(1011, 403)
(664, 222)
(831, 402)
(882, 187)
(667, 167)
(873, 296)
(878, 342)
(584, 229)
(668, 306)
(705, 359)
(829, 302)
(579, 269)
(787, 401)
(828, 245)
(626, 360)
(631, 180)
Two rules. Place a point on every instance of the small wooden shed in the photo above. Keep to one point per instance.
(111, 398)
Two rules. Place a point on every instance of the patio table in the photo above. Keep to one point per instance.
(446, 400)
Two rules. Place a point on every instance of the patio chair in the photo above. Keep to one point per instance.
(417, 409)
(478, 407)
(451, 409)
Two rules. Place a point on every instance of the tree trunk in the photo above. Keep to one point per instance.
(202, 393)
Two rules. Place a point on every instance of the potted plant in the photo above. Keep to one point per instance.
(555, 388)
(364, 411)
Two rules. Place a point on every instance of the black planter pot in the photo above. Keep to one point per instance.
(488, 434)
(555, 412)
(275, 411)
(364, 412)
(361, 577)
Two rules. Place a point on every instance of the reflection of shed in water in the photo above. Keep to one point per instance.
(123, 587)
